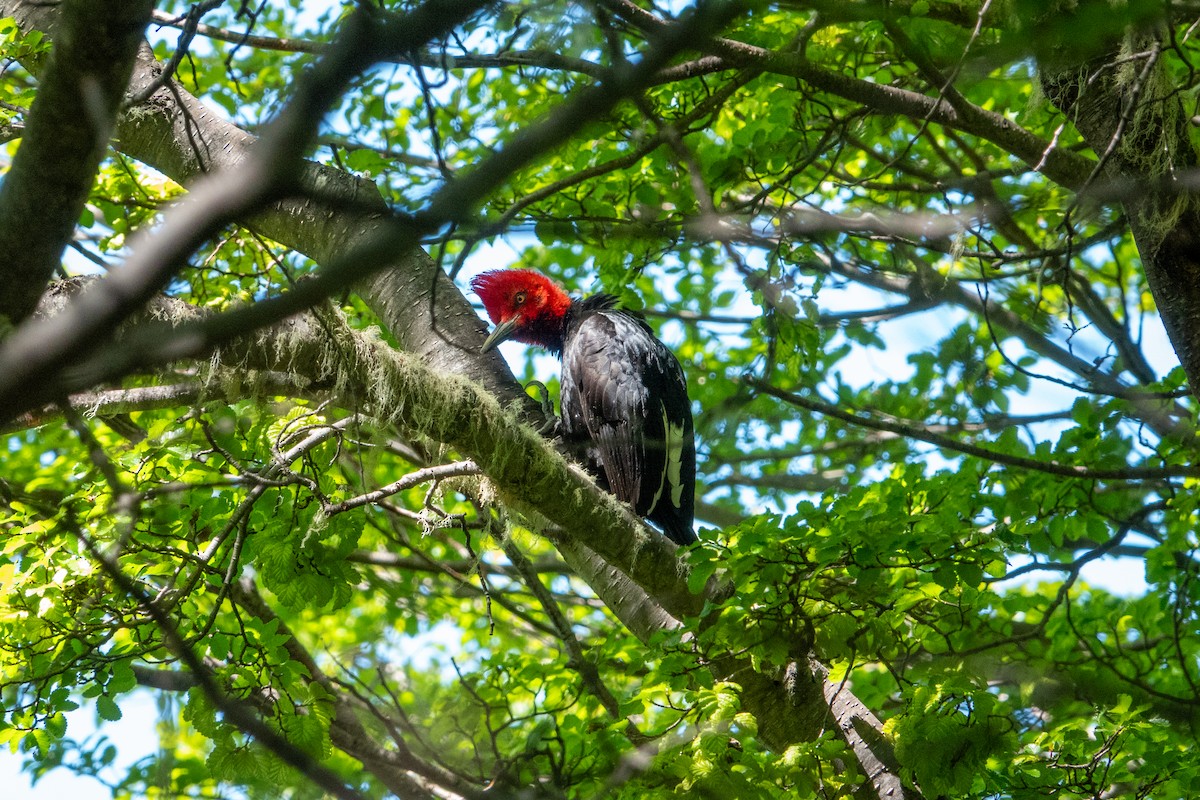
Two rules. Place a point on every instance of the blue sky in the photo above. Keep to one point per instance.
(135, 737)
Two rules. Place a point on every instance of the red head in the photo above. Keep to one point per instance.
(525, 305)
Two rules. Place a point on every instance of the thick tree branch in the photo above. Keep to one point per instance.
(636, 572)
(1140, 127)
(65, 137)
(111, 402)
(37, 353)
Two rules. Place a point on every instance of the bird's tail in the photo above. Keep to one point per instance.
(678, 532)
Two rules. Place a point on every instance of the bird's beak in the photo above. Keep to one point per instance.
(500, 333)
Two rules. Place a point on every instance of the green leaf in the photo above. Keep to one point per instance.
(107, 708)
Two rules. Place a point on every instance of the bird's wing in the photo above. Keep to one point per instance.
(626, 389)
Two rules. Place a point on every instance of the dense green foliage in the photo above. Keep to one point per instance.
(943, 441)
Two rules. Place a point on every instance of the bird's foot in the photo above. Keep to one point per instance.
(551, 426)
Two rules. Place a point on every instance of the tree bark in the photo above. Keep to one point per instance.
(178, 135)
(1137, 124)
(67, 134)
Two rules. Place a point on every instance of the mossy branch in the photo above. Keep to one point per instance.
(601, 536)
(528, 473)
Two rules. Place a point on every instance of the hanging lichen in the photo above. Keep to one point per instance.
(1154, 138)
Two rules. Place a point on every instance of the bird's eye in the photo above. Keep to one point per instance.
(519, 298)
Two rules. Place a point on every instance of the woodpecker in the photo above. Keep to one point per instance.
(624, 397)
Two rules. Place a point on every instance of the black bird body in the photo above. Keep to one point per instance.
(624, 396)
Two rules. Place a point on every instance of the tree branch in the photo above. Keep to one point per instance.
(66, 134)
(1142, 130)
(37, 353)
(913, 431)
(1063, 167)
